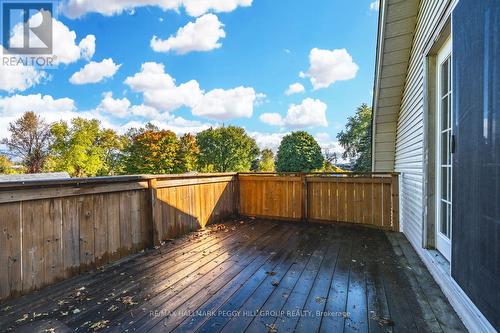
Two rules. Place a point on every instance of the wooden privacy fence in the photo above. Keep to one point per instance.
(51, 230)
(370, 199)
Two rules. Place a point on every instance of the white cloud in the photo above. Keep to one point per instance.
(226, 104)
(268, 140)
(115, 107)
(202, 35)
(295, 88)
(330, 145)
(327, 67)
(178, 125)
(374, 5)
(65, 48)
(123, 108)
(77, 8)
(160, 91)
(273, 119)
(311, 112)
(19, 78)
(94, 72)
(18, 104)
(51, 109)
(87, 47)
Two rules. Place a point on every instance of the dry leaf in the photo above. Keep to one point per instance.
(100, 324)
(128, 300)
(271, 328)
(23, 318)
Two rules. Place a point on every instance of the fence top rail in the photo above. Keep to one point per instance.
(322, 174)
(92, 181)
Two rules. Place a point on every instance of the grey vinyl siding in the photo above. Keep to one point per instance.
(410, 131)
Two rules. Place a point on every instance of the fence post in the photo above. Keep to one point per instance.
(305, 203)
(395, 201)
(155, 218)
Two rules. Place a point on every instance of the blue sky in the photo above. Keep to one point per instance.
(231, 64)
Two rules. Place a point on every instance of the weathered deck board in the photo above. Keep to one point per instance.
(253, 276)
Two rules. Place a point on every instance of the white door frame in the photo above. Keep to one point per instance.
(443, 241)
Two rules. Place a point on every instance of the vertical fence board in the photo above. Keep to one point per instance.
(135, 220)
(367, 203)
(377, 204)
(86, 220)
(386, 201)
(100, 229)
(52, 233)
(10, 249)
(32, 244)
(70, 236)
(112, 202)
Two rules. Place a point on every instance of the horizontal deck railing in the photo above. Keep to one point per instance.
(55, 229)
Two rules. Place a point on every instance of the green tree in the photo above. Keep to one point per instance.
(266, 162)
(299, 152)
(6, 166)
(357, 137)
(226, 149)
(188, 154)
(152, 151)
(83, 148)
(29, 140)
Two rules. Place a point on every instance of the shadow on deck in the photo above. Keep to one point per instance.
(253, 276)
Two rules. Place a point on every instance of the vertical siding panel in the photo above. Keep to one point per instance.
(410, 131)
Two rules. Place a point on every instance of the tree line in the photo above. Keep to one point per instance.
(83, 148)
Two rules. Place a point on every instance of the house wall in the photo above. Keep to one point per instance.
(413, 158)
(409, 155)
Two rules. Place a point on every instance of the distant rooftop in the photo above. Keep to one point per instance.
(34, 176)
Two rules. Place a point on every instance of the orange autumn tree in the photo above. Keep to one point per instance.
(152, 151)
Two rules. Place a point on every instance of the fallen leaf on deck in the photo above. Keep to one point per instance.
(128, 300)
(271, 328)
(75, 311)
(23, 318)
(320, 299)
(382, 321)
(272, 273)
(100, 324)
(275, 283)
(7, 308)
(112, 308)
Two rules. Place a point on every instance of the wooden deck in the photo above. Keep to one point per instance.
(252, 276)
